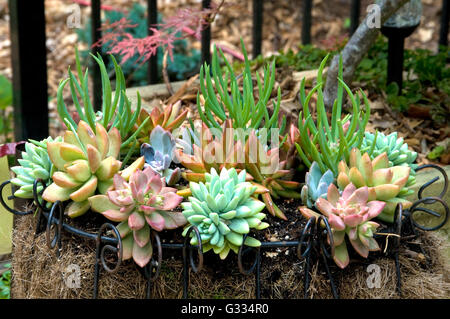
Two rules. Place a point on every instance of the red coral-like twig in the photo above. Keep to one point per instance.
(187, 22)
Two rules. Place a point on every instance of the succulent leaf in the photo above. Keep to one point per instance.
(223, 211)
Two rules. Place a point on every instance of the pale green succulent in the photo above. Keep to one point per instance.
(397, 151)
(34, 164)
(223, 211)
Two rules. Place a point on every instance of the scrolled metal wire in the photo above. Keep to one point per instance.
(36, 195)
(242, 251)
(424, 186)
(428, 200)
(9, 209)
(398, 219)
(153, 268)
(58, 221)
(329, 236)
(100, 253)
(308, 233)
(187, 246)
(100, 250)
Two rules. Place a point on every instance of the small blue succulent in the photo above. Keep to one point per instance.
(159, 154)
(316, 185)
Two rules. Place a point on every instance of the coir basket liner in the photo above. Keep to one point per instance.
(39, 273)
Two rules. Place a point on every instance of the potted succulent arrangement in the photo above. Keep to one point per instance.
(225, 174)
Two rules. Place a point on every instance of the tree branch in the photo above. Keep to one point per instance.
(353, 52)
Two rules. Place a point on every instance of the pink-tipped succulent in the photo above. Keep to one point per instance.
(384, 183)
(351, 214)
(140, 204)
(169, 119)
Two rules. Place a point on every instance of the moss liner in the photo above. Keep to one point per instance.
(39, 273)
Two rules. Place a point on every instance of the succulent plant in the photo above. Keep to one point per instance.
(223, 211)
(34, 164)
(328, 143)
(140, 204)
(85, 162)
(242, 109)
(204, 154)
(397, 151)
(316, 185)
(169, 119)
(116, 109)
(269, 173)
(159, 154)
(385, 183)
(351, 214)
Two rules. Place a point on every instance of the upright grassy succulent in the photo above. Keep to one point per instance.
(395, 148)
(349, 214)
(223, 211)
(384, 183)
(116, 111)
(34, 164)
(140, 204)
(325, 142)
(242, 109)
(316, 185)
(159, 154)
(85, 163)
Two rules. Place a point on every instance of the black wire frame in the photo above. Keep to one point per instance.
(311, 247)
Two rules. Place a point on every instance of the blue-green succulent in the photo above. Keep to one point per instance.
(397, 151)
(159, 154)
(316, 185)
(224, 210)
(34, 164)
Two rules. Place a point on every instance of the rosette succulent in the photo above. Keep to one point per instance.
(85, 163)
(34, 164)
(169, 119)
(397, 151)
(384, 183)
(316, 185)
(223, 211)
(159, 154)
(269, 173)
(349, 214)
(209, 152)
(140, 204)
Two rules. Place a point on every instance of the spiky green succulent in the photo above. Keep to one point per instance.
(395, 148)
(223, 211)
(328, 142)
(387, 184)
(34, 164)
(316, 185)
(242, 108)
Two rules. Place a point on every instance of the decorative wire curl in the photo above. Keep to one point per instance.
(187, 245)
(154, 264)
(242, 251)
(52, 220)
(9, 209)
(100, 251)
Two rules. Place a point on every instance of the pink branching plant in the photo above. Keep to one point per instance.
(186, 22)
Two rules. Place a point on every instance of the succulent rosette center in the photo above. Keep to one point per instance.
(141, 204)
(350, 214)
